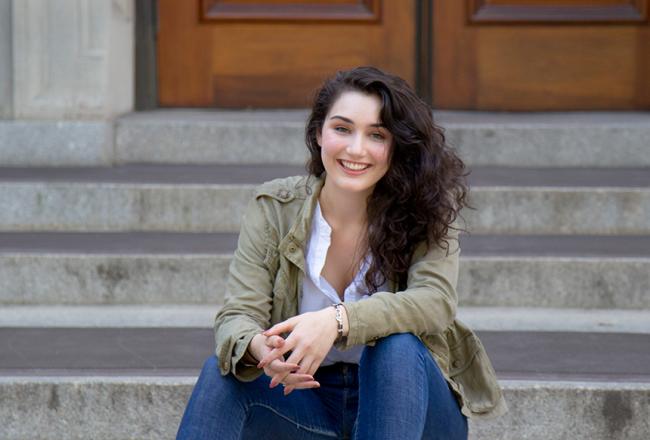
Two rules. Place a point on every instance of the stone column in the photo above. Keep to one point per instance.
(73, 59)
(6, 62)
(72, 74)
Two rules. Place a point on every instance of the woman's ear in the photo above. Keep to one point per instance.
(319, 137)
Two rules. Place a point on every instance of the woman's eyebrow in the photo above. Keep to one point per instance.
(350, 121)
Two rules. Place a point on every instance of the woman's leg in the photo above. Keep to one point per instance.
(403, 395)
(224, 408)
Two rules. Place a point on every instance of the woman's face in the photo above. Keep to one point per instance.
(354, 145)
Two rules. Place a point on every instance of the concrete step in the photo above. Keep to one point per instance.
(482, 138)
(598, 272)
(202, 316)
(151, 407)
(213, 136)
(73, 384)
(211, 199)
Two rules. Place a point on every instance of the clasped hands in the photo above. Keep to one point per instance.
(311, 337)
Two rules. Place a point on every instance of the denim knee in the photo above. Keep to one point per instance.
(398, 346)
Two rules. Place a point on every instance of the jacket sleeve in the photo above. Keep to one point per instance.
(247, 305)
(427, 306)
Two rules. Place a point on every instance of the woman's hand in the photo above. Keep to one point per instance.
(312, 336)
(261, 346)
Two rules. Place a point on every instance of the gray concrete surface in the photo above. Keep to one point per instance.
(122, 207)
(473, 245)
(555, 320)
(125, 351)
(55, 143)
(65, 206)
(202, 316)
(510, 210)
(96, 279)
(188, 136)
(151, 408)
(169, 268)
(204, 136)
(569, 410)
(622, 283)
(6, 67)
(479, 176)
(483, 138)
(95, 408)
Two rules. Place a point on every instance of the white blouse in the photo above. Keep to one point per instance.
(318, 294)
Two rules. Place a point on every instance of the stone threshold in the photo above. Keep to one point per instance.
(220, 243)
(233, 174)
(570, 355)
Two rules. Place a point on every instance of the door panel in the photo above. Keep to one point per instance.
(233, 54)
(295, 10)
(549, 11)
(527, 58)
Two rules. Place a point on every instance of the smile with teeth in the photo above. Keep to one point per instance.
(353, 166)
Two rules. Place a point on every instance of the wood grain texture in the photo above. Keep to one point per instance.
(538, 67)
(271, 64)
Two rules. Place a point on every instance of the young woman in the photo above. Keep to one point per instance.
(339, 319)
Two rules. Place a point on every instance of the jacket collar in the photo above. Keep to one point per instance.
(293, 244)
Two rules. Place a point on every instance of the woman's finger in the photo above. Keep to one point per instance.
(274, 341)
(279, 366)
(304, 385)
(281, 327)
(276, 353)
(305, 365)
(277, 379)
(293, 379)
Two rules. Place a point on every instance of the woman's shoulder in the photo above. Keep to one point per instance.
(286, 189)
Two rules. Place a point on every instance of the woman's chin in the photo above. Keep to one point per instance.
(357, 187)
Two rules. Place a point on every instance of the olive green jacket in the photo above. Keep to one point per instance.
(265, 287)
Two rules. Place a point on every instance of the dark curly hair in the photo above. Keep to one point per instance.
(421, 194)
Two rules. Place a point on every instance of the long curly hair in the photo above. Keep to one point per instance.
(421, 194)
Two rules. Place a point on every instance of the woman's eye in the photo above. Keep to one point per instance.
(341, 129)
(378, 136)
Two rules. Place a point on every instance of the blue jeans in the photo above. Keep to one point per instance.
(396, 392)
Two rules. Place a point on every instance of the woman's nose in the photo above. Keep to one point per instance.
(355, 147)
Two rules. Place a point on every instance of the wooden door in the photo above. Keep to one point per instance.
(541, 54)
(274, 53)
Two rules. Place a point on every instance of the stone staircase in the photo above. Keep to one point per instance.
(113, 264)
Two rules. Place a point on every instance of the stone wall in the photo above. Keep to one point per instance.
(6, 61)
(66, 60)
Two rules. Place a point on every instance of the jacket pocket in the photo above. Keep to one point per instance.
(471, 369)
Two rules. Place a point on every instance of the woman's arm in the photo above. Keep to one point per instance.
(427, 306)
(247, 308)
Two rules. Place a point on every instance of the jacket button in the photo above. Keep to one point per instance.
(455, 363)
(284, 194)
(292, 249)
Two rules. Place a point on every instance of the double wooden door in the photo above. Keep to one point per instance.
(460, 54)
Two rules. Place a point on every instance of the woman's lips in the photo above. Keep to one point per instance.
(351, 171)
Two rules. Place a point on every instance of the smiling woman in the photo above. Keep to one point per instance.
(355, 145)
(343, 286)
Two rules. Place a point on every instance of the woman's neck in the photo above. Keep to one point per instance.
(342, 208)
